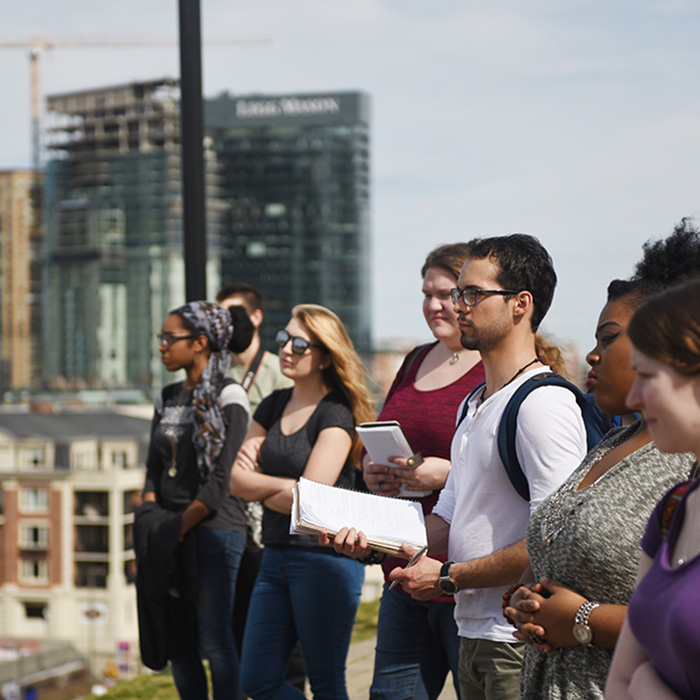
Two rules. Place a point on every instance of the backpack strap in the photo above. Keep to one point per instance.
(596, 422)
(673, 498)
(253, 370)
(465, 405)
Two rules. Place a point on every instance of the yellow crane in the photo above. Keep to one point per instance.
(37, 45)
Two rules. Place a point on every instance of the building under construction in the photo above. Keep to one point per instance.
(114, 236)
(287, 211)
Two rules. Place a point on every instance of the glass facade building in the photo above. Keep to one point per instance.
(295, 188)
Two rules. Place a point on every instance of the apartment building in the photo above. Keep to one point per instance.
(69, 485)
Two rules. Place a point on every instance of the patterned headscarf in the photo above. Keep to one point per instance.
(210, 426)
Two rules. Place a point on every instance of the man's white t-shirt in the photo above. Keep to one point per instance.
(484, 511)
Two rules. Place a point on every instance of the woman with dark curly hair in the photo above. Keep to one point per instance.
(657, 655)
(583, 540)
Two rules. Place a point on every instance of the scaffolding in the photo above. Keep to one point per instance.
(113, 232)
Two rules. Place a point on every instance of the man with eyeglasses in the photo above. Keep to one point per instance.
(504, 290)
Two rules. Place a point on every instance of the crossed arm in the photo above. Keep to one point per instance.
(326, 461)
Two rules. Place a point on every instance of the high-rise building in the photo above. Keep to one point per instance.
(295, 185)
(114, 240)
(287, 192)
(20, 280)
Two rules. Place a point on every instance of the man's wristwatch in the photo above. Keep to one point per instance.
(582, 631)
(447, 585)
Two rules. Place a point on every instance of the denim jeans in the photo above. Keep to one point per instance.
(306, 594)
(490, 670)
(417, 645)
(218, 557)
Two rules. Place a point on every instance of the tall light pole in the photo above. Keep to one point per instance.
(192, 136)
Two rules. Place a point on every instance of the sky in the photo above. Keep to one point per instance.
(575, 121)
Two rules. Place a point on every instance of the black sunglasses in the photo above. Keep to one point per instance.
(299, 345)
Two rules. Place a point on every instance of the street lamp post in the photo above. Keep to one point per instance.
(192, 135)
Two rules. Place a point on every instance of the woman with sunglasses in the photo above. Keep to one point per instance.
(304, 591)
(198, 426)
(658, 651)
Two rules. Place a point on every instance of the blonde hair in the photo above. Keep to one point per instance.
(346, 372)
(550, 354)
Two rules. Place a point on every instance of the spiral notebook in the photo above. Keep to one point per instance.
(387, 522)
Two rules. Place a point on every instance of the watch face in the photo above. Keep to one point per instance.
(447, 585)
(583, 634)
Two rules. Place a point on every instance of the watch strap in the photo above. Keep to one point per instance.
(445, 569)
(582, 630)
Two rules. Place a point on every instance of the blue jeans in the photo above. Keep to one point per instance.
(417, 645)
(306, 594)
(218, 557)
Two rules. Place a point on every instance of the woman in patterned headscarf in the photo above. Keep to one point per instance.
(198, 426)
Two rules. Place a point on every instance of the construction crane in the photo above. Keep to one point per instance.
(37, 45)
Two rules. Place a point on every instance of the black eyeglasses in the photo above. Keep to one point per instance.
(299, 345)
(168, 339)
(470, 295)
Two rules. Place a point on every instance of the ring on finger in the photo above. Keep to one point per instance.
(537, 639)
(379, 485)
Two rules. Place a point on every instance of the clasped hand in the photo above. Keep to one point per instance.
(543, 614)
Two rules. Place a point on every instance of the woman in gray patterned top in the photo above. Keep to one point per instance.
(583, 541)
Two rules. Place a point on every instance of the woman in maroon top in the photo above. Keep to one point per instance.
(417, 642)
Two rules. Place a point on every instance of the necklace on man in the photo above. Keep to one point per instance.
(520, 371)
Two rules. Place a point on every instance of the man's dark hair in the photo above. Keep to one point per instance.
(523, 264)
(251, 296)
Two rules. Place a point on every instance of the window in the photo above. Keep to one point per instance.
(34, 536)
(119, 459)
(34, 500)
(33, 570)
(91, 504)
(31, 458)
(33, 611)
(90, 575)
(92, 538)
(84, 460)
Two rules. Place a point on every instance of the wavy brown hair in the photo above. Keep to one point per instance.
(449, 257)
(666, 328)
(346, 373)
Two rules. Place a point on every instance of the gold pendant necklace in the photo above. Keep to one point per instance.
(455, 358)
(172, 472)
